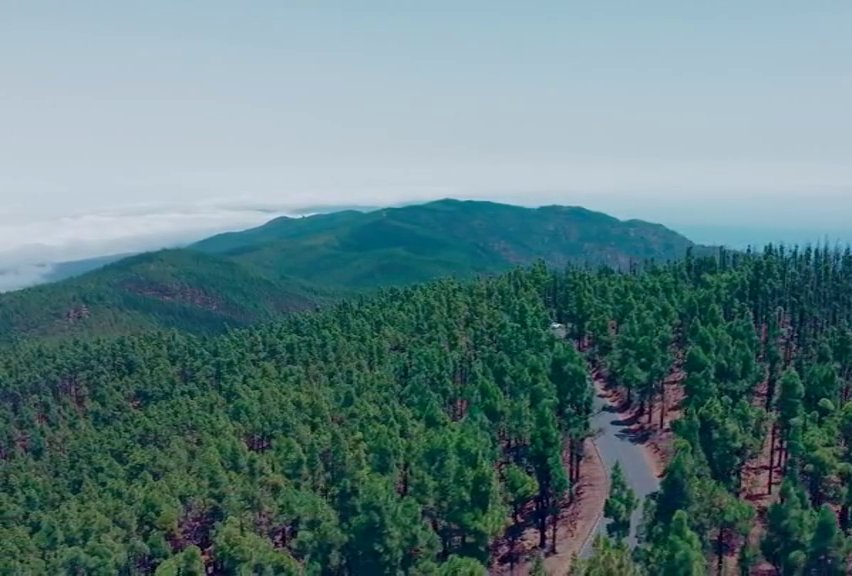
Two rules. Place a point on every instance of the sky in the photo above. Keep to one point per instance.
(135, 125)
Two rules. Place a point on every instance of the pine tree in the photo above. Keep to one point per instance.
(676, 489)
(789, 531)
(680, 550)
(790, 411)
(460, 566)
(747, 558)
(620, 505)
(520, 489)
(730, 518)
(828, 548)
(550, 475)
(538, 566)
(609, 558)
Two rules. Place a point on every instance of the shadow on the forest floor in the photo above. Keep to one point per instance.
(634, 435)
(610, 408)
(632, 420)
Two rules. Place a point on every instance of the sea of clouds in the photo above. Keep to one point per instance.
(30, 247)
(33, 243)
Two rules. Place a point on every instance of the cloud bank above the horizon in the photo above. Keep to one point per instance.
(645, 109)
(31, 245)
(29, 248)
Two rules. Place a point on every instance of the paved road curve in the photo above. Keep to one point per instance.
(615, 445)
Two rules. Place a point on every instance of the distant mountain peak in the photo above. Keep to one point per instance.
(289, 263)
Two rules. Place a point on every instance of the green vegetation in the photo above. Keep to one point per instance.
(609, 558)
(239, 279)
(422, 429)
(398, 246)
(178, 289)
(620, 505)
(365, 439)
(763, 349)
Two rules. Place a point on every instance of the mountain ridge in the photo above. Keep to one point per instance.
(496, 236)
(290, 264)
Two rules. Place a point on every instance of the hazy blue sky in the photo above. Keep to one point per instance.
(688, 113)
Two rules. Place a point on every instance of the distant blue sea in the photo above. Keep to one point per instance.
(741, 237)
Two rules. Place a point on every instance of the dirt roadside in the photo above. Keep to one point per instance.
(578, 522)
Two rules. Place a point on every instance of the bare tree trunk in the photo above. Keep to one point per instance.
(720, 552)
(578, 465)
(553, 530)
(571, 449)
(770, 392)
(772, 456)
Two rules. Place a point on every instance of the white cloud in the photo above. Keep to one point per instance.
(32, 242)
(23, 275)
(30, 247)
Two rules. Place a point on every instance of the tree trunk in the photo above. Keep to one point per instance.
(571, 449)
(578, 465)
(739, 482)
(437, 530)
(553, 530)
(771, 457)
(662, 406)
(720, 551)
(770, 392)
(815, 491)
(542, 522)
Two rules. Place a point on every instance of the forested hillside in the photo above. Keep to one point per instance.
(179, 289)
(747, 358)
(408, 432)
(397, 246)
(291, 264)
(393, 435)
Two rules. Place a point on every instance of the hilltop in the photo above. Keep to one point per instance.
(395, 246)
(291, 264)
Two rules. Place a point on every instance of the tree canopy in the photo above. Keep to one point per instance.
(412, 431)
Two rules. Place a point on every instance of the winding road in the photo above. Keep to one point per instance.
(615, 443)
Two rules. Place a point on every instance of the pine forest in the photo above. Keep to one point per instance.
(440, 428)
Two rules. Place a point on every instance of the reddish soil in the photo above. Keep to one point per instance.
(755, 489)
(174, 293)
(578, 522)
(659, 442)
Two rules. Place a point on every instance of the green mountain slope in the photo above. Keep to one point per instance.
(242, 278)
(74, 268)
(444, 238)
(332, 443)
(168, 289)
